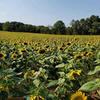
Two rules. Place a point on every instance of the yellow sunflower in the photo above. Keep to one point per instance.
(89, 54)
(78, 96)
(36, 98)
(3, 88)
(22, 50)
(2, 55)
(29, 74)
(13, 56)
(73, 74)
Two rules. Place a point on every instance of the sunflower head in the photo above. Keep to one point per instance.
(36, 98)
(41, 51)
(13, 56)
(61, 48)
(29, 74)
(73, 74)
(2, 55)
(89, 54)
(3, 87)
(78, 56)
(68, 43)
(78, 96)
(25, 43)
(22, 50)
(47, 46)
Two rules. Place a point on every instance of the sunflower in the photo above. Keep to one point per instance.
(41, 51)
(3, 87)
(78, 96)
(73, 74)
(29, 74)
(89, 54)
(78, 56)
(13, 56)
(68, 43)
(36, 98)
(25, 43)
(2, 55)
(22, 50)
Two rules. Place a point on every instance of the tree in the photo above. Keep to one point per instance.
(6, 26)
(59, 27)
(95, 30)
(44, 29)
(86, 26)
(1, 26)
(69, 31)
(75, 26)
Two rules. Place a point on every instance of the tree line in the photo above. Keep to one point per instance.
(84, 26)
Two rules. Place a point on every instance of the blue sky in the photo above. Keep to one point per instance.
(47, 12)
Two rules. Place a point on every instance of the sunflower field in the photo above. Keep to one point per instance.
(49, 67)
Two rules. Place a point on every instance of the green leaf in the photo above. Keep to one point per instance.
(61, 81)
(51, 97)
(36, 82)
(98, 55)
(52, 83)
(60, 65)
(91, 86)
(98, 61)
(62, 74)
(97, 69)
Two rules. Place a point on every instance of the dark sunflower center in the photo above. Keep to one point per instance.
(1, 55)
(42, 51)
(75, 74)
(14, 56)
(23, 51)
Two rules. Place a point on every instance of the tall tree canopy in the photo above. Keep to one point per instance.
(59, 27)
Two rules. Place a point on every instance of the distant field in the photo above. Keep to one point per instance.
(49, 67)
(21, 36)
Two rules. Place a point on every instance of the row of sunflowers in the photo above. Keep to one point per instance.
(49, 67)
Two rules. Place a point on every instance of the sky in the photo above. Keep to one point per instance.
(47, 12)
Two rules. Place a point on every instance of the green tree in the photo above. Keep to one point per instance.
(95, 30)
(75, 26)
(69, 31)
(59, 27)
(1, 26)
(6, 26)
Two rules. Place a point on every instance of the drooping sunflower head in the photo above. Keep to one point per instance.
(2, 55)
(78, 96)
(73, 74)
(36, 98)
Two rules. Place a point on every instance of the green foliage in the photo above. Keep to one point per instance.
(88, 26)
(67, 64)
(6, 26)
(97, 69)
(59, 27)
(91, 86)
